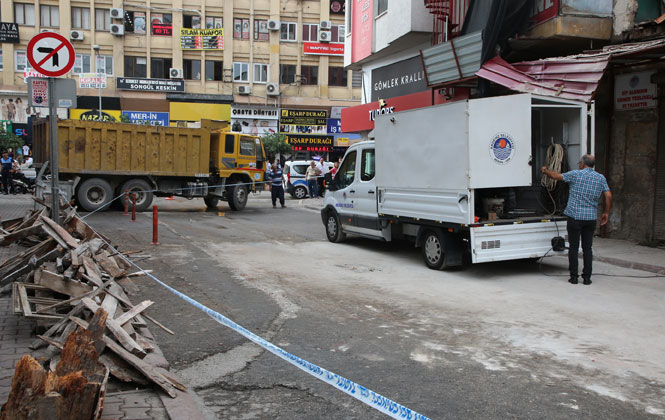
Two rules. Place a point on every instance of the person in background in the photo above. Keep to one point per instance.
(333, 170)
(311, 176)
(323, 170)
(586, 187)
(7, 168)
(276, 187)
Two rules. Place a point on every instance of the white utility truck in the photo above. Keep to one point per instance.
(462, 180)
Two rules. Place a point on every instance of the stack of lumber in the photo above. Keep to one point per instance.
(71, 281)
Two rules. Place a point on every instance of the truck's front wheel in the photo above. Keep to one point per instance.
(434, 250)
(333, 228)
(238, 197)
(94, 193)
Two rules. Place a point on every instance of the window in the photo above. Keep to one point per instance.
(136, 66)
(347, 171)
(230, 144)
(310, 32)
(287, 73)
(260, 73)
(104, 65)
(381, 6)
(190, 21)
(287, 31)
(24, 14)
(367, 165)
(192, 69)
(356, 79)
(20, 61)
(240, 72)
(337, 33)
(246, 146)
(1, 67)
(261, 32)
(348, 15)
(240, 28)
(337, 76)
(49, 16)
(214, 70)
(102, 20)
(161, 24)
(81, 64)
(310, 75)
(80, 18)
(212, 22)
(159, 68)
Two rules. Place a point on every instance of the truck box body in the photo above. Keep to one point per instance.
(87, 147)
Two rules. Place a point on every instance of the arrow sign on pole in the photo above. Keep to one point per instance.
(51, 54)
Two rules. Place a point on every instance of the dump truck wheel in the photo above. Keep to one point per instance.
(211, 202)
(142, 190)
(238, 197)
(434, 250)
(94, 193)
(334, 228)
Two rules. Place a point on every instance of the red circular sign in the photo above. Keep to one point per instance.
(45, 47)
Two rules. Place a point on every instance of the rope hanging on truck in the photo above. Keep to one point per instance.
(554, 162)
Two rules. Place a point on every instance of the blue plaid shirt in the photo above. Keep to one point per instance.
(586, 187)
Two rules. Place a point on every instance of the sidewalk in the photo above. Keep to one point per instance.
(17, 333)
(611, 251)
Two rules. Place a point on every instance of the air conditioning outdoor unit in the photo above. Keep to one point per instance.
(273, 25)
(117, 13)
(325, 24)
(117, 29)
(325, 36)
(76, 35)
(272, 89)
(244, 90)
(175, 73)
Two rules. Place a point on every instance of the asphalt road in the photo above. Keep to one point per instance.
(494, 341)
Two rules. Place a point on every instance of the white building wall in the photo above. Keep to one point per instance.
(401, 18)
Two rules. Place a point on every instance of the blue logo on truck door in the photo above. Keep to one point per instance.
(502, 148)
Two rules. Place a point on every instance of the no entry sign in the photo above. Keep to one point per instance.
(51, 54)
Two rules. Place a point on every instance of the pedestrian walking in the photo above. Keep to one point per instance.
(586, 187)
(7, 168)
(276, 187)
(311, 177)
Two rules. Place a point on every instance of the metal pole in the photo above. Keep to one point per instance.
(53, 144)
(154, 226)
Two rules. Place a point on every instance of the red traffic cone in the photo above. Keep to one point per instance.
(169, 198)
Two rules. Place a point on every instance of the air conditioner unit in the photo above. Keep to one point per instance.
(175, 73)
(117, 13)
(117, 29)
(325, 36)
(273, 25)
(244, 90)
(76, 35)
(272, 89)
(325, 24)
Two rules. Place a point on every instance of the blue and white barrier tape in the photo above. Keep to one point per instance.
(359, 392)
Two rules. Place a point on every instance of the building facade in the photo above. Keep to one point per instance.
(178, 61)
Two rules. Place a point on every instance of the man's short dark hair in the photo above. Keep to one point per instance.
(588, 161)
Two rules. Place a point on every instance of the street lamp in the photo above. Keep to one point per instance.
(99, 79)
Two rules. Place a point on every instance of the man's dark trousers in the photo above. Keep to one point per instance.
(577, 229)
(276, 192)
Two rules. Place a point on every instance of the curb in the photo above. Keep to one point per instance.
(632, 265)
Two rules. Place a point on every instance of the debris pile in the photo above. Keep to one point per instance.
(76, 287)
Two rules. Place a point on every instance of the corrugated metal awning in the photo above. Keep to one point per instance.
(453, 60)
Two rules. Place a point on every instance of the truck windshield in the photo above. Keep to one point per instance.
(247, 146)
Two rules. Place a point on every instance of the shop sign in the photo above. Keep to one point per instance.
(92, 80)
(93, 115)
(318, 48)
(263, 113)
(150, 85)
(337, 7)
(336, 111)
(202, 39)
(398, 79)
(9, 33)
(543, 10)
(311, 143)
(334, 126)
(148, 117)
(162, 29)
(361, 36)
(6, 126)
(28, 72)
(634, 91)
(298, 121)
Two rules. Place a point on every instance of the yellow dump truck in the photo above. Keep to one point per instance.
(101, 160)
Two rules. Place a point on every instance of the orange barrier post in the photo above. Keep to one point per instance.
(126, 213)
(133, 207)
(154, 226)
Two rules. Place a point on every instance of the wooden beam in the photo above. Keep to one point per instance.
(69, 239)
(122, 319)
(57, 282)
(117, 331)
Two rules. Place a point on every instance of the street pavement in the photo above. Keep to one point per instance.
(146, 403)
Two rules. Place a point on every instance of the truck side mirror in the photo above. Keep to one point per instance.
(330, 182)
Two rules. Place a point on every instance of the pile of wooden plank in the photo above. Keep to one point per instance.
(67, 275)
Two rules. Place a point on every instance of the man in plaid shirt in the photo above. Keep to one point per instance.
(586, 187)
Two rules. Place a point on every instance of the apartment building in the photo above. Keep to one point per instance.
(178, 61)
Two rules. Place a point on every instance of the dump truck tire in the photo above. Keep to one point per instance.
(238, 197)
(94, 193)
(142, 190)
